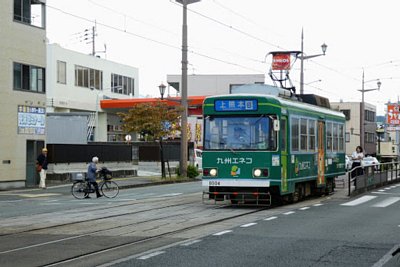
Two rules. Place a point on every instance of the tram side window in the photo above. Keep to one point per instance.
(334, 136)
(303, 134)
(295, 133)
(329, 136)
(312, 135)
(341, 137)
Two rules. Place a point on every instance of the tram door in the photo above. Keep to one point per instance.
(321, 153)
(284, 155)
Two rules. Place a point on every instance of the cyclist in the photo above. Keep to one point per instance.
(91, 176)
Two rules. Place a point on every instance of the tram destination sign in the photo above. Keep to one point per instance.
(236, 105)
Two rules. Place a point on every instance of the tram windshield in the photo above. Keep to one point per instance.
(240, 133)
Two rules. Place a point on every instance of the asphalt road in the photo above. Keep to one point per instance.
(168, 225)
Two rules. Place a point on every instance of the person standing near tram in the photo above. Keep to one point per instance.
(357, 157)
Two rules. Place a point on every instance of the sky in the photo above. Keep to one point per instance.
(236, 36)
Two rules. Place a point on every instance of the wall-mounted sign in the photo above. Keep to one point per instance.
(31, 120)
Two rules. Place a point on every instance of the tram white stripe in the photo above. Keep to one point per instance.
(222, 233)
(248, 225)
(145, 257)
(270, 218)
(387, 202)
(358, 201)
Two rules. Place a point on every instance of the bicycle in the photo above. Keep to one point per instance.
(109, 189)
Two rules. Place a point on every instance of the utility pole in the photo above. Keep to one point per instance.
(184, 103)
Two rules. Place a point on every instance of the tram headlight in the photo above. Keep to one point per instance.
(257, 172)
(213, 172)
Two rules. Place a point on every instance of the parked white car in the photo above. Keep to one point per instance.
(368, 161)
(349, 163)
(198, 160)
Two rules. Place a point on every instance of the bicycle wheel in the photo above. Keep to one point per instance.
(78, 190)
(109, 189)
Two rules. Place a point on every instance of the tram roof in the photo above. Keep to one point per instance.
(286, 103)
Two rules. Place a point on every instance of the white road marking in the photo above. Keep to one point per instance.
(222, 233)
(248, 225)
(171, 195)
(387, 188)
(318, 204)
(382, 193)
(191, 243)
(304, 208)
(387, 202)
(270, 218)
(288, 213)
(10, 201)
(145, 257)
(381, 190)
(38, 195)
(358, 201)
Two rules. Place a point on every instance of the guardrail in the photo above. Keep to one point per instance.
(372, 177)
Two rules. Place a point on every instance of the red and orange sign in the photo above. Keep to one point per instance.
(281, 62)
(393, 114)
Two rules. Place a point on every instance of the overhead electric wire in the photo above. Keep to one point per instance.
(151, 39)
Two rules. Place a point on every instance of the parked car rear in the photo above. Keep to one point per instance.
(369, 161)
(349, 163)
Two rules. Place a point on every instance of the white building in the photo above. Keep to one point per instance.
(22, 90)
(77, 82)
(352, 111)
(204, 85)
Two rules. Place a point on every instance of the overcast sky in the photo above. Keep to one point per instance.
(234, 37)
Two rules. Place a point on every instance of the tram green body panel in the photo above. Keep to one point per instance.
(285, 167)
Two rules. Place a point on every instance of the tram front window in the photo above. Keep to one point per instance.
(240, 133)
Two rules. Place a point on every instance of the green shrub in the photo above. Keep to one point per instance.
(192, 171)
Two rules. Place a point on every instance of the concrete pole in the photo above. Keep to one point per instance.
(362, 115)
(302, 65)
(184, 140)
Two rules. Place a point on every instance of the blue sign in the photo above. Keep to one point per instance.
(236, 105)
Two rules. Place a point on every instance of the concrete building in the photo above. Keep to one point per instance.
(77, 82)
(204, 85)
(352, 111)
(22, 90)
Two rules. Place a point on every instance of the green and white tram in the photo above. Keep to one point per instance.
(260, 146)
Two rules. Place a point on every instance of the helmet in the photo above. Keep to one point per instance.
(95, 159)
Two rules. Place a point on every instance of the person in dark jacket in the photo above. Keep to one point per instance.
(41, 163)
(91, 176)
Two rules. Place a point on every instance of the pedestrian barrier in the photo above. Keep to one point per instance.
(363, 179)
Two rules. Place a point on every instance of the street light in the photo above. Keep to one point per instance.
(303, 57)
(184, 103)
(362, 117)
(162, 87)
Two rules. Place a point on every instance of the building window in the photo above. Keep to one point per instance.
(30, 78)
(30, 12)
(89, 78)
(347, 137)
(61, 72)
(346, 113)
(370, 115)
(122, 84)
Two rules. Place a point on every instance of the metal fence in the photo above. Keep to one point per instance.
(372, 177)
(116, 152)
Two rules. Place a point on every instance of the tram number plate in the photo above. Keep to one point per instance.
(214, 183)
